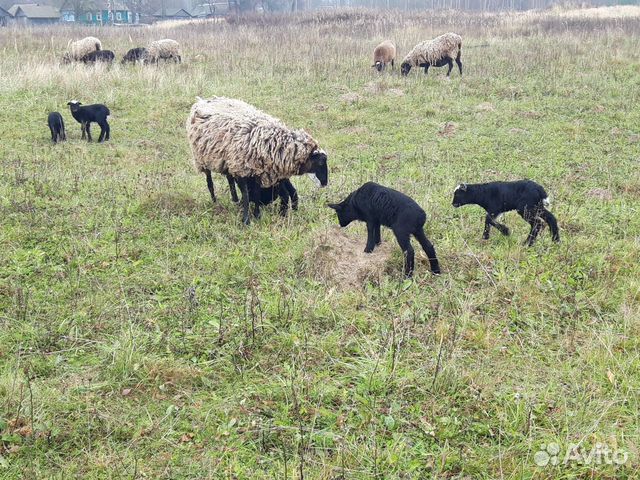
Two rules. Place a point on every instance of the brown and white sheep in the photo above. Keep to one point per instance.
(78, 49)
(384, 54)
(163, 49)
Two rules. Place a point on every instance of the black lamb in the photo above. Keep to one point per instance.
(56, 125)
(525, 196)
(261, 196)
(134, 55)
(377, 205)
(106, 56)
(86, 114)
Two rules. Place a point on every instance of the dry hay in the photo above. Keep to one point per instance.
(350, 98)
(518, 131)
(485, 107)
(171, 203)
(339, 259)
(601, 194)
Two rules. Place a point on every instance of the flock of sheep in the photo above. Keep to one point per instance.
(259, 153)
(89, 50)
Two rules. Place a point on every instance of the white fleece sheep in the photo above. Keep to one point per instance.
(438, 52)
(163, 49)
(78, 49)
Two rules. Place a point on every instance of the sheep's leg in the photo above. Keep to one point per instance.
(210, 185)
(244, 190)
(108, 128)
(371, 237)
(405, 244)
(54, 135)
(293, 193)
(531, 216)
(450, 63)
(548, 217)
(490, 221)
(393, 64)
(103, 132)
(83, 129)
(426, 69)
(459, 63)
(427, 246)
(283, 193)
(377, 237)
(232, 189)
(254, 195)
(88, 128)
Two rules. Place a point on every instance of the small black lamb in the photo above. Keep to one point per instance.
(84, 115)
(261, 196)
(134, 55)
(56, 125)
(377, 205)
(106, 56)
(525, 196)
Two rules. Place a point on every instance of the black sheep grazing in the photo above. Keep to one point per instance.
(84, 115)
(134, 55)
(106, 56)
(377, 205)
(525, 196)
(56, 125)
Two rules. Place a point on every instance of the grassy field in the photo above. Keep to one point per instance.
(145, 333)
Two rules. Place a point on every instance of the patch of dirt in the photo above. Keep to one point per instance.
(339, 259)
(517, 131)
(616, 132)
(448, 130)
(395, 92)
(600, 194)
(531, 114)
(350, 98)
(634, 138)
(598, 109)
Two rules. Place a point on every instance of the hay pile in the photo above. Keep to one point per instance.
(338, 259)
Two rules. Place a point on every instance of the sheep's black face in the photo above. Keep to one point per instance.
(343, 210)
(317, 167)
(74, 105)
(378, 66)
(405, 68)
(460, 195)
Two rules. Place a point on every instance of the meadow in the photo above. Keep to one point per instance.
(146, 333)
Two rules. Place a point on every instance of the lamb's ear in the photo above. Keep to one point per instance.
(335, 206)
(462, 186)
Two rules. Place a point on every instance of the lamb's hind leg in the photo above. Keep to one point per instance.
(533, 218)
(427, 246)
(405, 244)
(548, 217)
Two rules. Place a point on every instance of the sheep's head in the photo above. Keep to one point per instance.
(344, 211)
(316, 167)
(74, 105)
(405, 68)
(378, 66)
(460, 195)
(66, 58)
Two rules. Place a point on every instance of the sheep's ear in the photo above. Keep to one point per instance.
(334, 206)
(462, 187)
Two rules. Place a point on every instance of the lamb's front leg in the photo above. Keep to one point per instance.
(371, 237)
(83, 127)
(377, 237)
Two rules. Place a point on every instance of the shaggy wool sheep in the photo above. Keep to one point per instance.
(438, 52)
(77, 50)
(163, 49)
(383, 54)
(234, 138)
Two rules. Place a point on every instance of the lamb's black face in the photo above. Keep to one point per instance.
(343, 211)
(378, 66)
(74, 105)
(460, 196)
(318, 169)
(405, 68)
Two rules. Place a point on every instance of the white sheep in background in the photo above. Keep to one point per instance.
(78, 49)
(163, 49)
(384, 54)
(440, 51)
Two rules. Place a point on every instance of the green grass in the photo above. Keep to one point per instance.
(145, 333)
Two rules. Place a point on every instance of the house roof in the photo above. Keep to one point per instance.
(95, 6)
(172, 12)
(205, 10)
(4, 13)
(34, 10)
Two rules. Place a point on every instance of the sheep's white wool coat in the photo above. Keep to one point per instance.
(231, 136)
(78, 49)
(434, 50)
(166, 48)
(385, 52)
